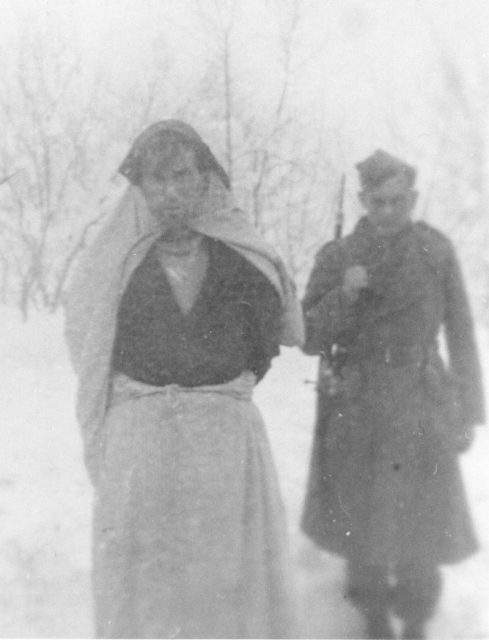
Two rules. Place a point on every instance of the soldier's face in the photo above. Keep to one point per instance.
(389, 207)
(172, 185)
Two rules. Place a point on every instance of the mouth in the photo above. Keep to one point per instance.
(171, 214)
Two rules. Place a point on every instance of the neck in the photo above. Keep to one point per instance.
(181, 241)
(385, 232)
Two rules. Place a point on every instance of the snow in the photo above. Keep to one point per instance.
(46, 498)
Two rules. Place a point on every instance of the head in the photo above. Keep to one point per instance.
(172, 180)
(171, 165)
(387, 194)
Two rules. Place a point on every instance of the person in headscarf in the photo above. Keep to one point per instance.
(385, 489)
(175, 313)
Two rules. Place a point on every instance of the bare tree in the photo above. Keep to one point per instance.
(459, 192)
(65, 132)
(276, 155)
(50, 135)
(217, 19)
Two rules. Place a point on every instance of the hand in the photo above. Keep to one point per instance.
(356, 278)
(465, 438)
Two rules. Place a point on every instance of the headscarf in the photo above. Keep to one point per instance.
(131, 165)
(106, 266)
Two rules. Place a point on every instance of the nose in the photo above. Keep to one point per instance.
(169, 188)
(387, 210)
(168, 192)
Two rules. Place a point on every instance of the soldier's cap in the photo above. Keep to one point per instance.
(381, 166)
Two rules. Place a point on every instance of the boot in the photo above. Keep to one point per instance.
(415, 596)
(379, 626)
(413, 630)
(368, 590)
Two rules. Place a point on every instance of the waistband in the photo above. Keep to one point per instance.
(124, 388)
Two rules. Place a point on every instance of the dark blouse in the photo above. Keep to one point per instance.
(233, 325)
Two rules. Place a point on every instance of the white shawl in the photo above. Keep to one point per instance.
(104, 271)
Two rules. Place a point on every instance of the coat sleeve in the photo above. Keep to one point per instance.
(462, 349)
(326, 310)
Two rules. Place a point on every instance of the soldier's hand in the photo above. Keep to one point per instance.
(465, 438)
(356, 278)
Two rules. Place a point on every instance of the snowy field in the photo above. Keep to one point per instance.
(45, 499)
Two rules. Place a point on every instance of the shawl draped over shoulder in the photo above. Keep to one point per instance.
(105, 268)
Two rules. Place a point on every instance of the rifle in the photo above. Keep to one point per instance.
(331, 363)
(340, 216)
(7, 177)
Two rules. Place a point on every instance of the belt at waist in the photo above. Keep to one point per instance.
(124, 388)
(392, 355)
(199, 376)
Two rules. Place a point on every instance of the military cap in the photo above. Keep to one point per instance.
(381, 166)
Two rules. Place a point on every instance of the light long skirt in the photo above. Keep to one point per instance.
(189, 529)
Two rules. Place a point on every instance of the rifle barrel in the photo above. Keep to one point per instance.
(338, 228)
(7, 177)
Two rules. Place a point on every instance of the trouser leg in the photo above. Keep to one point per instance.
(368, 590)
(415, 596)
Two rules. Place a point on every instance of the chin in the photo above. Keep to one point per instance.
(389, 230)
(172, 220)
(177, 233)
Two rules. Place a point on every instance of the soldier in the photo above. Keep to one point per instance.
(385, 489)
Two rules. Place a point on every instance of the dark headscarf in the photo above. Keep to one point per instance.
(131, 167)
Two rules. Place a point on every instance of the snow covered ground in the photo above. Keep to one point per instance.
(45, 498)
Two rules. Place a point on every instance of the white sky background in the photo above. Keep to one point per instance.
(363, 55)
(368, 70)
(366, 66)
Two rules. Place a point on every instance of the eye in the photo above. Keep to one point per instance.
(181, 173)
(150, 181)
(152, 177)
(395, 201)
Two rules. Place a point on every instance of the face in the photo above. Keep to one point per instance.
(389, 207)
(172, 185)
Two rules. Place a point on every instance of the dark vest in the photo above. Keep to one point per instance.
(233, 325)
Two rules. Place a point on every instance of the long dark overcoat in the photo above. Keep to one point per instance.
(385, 481)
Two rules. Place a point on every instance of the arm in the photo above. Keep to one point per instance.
(327, 309)
(459, 327)
(264, 310)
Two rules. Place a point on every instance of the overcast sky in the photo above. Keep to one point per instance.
(368, 66)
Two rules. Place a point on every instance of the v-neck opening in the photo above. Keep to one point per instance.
(188, 316)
